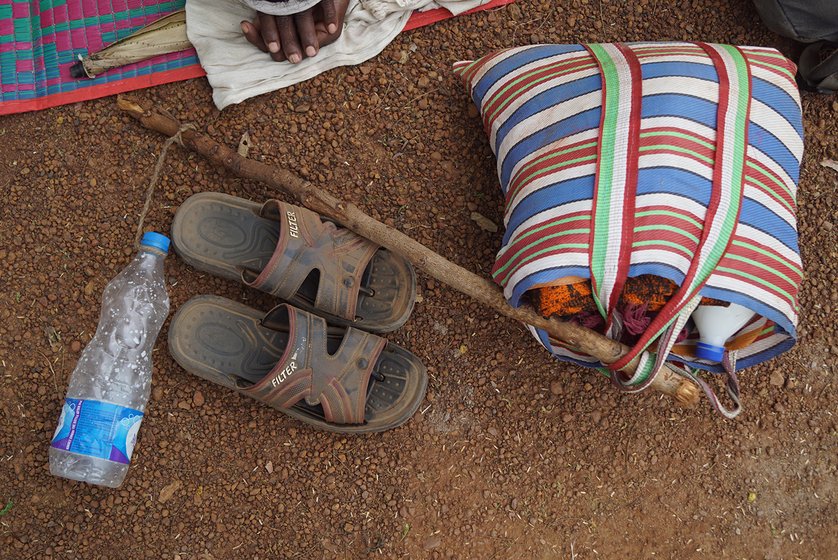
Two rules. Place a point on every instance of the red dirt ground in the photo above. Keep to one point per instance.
(512, 455)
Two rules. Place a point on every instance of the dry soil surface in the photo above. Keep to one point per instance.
(512, 455)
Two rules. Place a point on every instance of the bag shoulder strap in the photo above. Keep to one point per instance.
(726, 200)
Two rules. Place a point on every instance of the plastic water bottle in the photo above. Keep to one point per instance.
(715, 325)
(111, 384)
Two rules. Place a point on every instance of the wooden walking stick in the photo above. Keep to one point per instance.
(585, 340)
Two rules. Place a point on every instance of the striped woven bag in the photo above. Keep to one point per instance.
(679, 160)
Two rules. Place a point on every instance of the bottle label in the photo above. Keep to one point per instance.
(98, 429)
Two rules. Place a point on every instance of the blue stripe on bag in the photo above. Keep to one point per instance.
(547, 99)
(575, 124)
(562, 193)
(516, 61)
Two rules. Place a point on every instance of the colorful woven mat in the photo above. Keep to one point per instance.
(40, 40)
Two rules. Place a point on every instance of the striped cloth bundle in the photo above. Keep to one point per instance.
(674, 159)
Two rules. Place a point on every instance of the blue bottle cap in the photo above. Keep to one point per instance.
(709, 352)
(156, 241)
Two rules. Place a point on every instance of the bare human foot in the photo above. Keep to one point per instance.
(298, 36)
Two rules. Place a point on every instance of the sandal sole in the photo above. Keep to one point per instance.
(222, 234)
(223, 341)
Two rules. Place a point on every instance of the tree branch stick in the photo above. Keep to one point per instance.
(440, 268)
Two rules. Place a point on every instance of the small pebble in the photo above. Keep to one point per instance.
(433, 542)
(168, 491)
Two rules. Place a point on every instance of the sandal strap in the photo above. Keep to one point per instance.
(307, 371)
(307, 243)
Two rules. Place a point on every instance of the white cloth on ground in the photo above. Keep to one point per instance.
(237, 70)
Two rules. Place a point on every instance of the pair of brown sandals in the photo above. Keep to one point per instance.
(312, 357)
